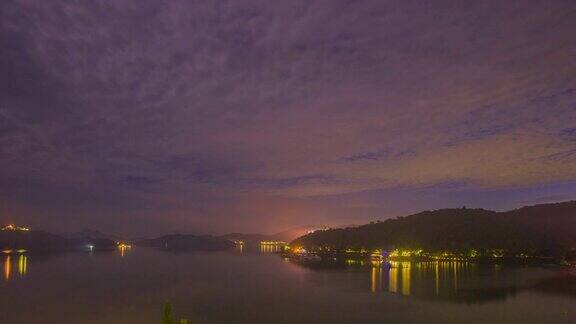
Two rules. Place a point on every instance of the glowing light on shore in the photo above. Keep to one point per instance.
(273, 243)
(298, 250)
(123, 247)
(12, 227)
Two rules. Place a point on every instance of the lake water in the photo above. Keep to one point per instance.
(233, 287)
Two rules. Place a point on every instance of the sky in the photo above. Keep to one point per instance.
(147, 117)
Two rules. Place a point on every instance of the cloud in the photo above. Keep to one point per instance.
(548, 199)
(194, 109)
(140, 180)
(568, 133)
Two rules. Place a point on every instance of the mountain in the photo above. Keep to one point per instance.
(94, 234)
(40, 241)
(31, 240)
(544, 230)
(284, 236)
(247, 238)
(293, 233)
(181, 242)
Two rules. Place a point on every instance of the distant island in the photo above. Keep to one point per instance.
(13, 238)
(540, 231)
(22, 238)
(16, 238)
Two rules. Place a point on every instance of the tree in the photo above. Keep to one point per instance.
(167, 317)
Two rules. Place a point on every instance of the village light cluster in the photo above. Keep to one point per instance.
(12, 227)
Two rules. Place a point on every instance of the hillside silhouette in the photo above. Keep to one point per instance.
(540, 230)
(39, 241)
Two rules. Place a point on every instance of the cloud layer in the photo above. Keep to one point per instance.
(145, 116)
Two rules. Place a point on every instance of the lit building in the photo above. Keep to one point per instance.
(12, 227)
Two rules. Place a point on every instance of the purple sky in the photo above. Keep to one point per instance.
(144, 117)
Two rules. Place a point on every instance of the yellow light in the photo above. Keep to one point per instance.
(498, 253)
(374, 279)
(393, 279)
(298, 250)
(123, 247)
(12, 227)
(406, 278)
(22, 261)
(272, 243)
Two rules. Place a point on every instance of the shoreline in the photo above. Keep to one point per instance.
(343, 257)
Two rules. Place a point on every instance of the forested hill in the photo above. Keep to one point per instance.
(40, 241)
(548, 229)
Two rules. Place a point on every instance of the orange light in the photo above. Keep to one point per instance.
(7, 267)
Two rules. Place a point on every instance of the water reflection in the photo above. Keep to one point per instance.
(21, 266)
(457, 281)
(271, 248)
(399, 277)
(406, 279)
(123, 249)
(221, 287)
(393, 280)
(376, 278)
(7, 266)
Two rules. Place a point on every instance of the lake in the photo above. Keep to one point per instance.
(254, 287)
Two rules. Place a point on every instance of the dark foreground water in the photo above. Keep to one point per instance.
(264, 288)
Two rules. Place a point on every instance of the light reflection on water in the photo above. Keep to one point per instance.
(123, 250)
(10, 267)
(429, 278)
(271, 248)
(228, 287)
(7, 267)
(21, 266)
(446, 280)
(456, 280)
